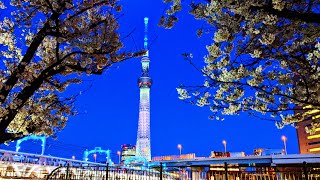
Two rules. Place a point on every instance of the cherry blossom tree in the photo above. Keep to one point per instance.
(263, 59)
(46, 45)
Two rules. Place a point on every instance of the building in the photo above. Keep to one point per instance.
(128, 151)
(309, 143)
(143, 147)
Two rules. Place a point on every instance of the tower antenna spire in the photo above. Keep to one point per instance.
(145, 44)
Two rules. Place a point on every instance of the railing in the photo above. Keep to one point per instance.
(102, 172)
(92, 172)
(217, 172)
(23, 171)
(12, 156)
(297, 171)
(265, 173)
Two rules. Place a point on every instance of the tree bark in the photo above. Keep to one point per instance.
(4, 137)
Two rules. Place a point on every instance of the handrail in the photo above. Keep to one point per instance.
(53, 171)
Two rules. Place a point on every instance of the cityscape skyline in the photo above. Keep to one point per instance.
(108, 110)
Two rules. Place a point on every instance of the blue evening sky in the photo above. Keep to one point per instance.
(108, 111)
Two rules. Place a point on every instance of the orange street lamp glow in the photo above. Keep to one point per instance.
(180, 148)
(224, 142)
(95, 157)
(118, 152)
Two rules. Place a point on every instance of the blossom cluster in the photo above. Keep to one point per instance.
(46, 46)
(261, 60)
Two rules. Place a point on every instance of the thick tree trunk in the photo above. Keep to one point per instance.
(9, 84)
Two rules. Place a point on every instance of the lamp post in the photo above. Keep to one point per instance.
(118, 152)
(284, 139)
(95, 157)
(224, 142)
(180, 148)
(73, 157)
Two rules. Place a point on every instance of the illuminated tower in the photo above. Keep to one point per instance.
(143, 136)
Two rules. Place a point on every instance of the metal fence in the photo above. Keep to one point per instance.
(214, 172)
(264, 173)
(113, 173)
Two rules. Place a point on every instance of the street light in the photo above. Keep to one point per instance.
(95, 157)
(118, 152)
(73, 157)
(224, 142)
(284, 139)
(180, 148)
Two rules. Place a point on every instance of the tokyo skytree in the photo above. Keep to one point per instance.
(143, 147)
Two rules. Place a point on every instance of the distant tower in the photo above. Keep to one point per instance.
(143, 136)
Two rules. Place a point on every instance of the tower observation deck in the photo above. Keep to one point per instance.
(143, 147)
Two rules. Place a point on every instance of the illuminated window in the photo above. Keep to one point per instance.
(316, 117)
(309, 106)
(313, 111)
(314, 136)
(314, 149)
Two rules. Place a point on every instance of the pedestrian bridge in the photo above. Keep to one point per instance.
(17, 165)
(26, 165)
(273, 160)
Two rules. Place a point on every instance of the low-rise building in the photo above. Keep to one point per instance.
(128, 151)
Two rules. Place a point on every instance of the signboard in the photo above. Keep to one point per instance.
(174, 157)
(215, 154)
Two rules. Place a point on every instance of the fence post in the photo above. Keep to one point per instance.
(160, 170)
(107, 171)
(67, 175)
(226, 170)
(305, 171)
